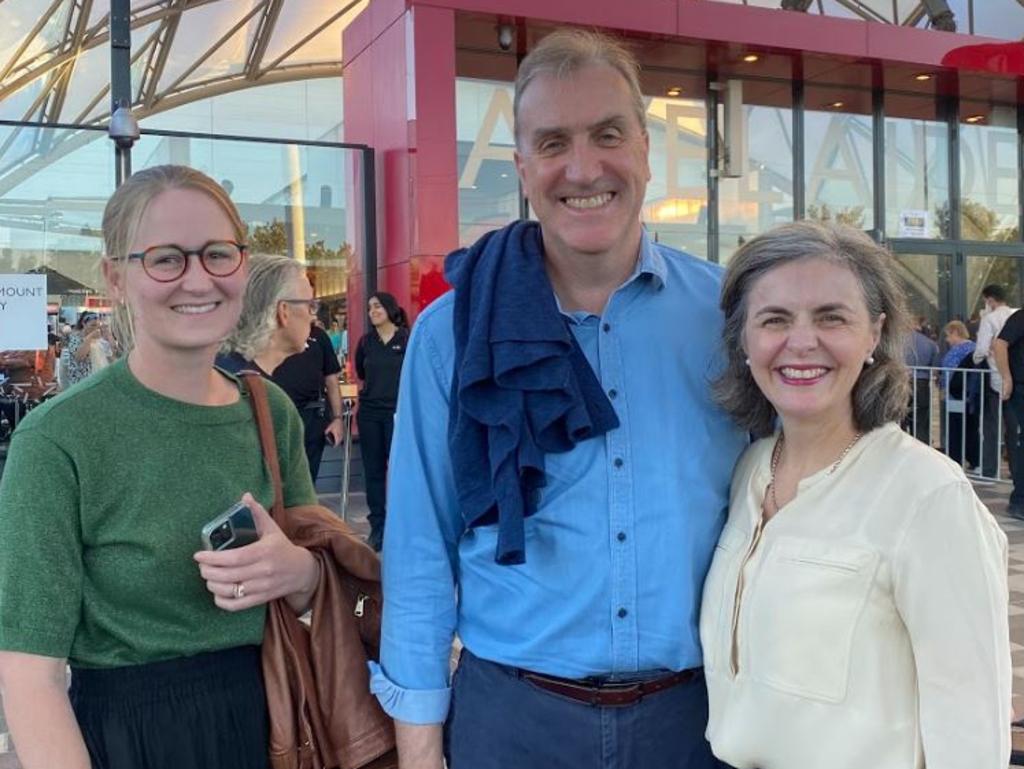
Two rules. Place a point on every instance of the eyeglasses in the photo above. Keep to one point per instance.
(312, 304)
(220, 258)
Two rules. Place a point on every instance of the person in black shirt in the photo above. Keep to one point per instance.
(311, 380)
(1008, 349)
(275, 338)
(379, 364)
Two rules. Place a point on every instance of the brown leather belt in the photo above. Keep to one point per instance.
(611, 694)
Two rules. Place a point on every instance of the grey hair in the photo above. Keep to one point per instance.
(566, 51)
(270, 281)
(882, 391)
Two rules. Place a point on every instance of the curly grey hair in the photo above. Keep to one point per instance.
(270, 281)
(882, 391)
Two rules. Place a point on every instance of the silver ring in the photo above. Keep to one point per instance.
(239, 590)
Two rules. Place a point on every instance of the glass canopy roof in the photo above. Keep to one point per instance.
(55, 63)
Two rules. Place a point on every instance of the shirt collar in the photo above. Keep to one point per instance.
(649, 262)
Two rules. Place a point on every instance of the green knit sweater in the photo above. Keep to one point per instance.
(102, 501)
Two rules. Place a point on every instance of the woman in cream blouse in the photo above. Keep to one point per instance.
(855, 613)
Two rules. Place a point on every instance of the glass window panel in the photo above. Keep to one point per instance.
(293, 198)
(91, 76)
(1002, 19)
(488, 185)
(54, 184)
(1006, 271)
(325, 46)
(763, 196)
(916, 169)
(100, 9)
(989, 172)
(926, 280)
(675, 208)
(17, 17)
(16, 106)
(838, 157)
(296, 22)
(837, 10)
(306, 109)
(199, 29)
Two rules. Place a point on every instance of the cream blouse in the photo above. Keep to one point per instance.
(865, 625)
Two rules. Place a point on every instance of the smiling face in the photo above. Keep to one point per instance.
(808, 335)
(582, 160)
(194, 313)
(378, 315)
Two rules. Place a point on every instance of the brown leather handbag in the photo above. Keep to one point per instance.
(322, 714)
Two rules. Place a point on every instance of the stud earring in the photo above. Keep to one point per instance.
(747, 361)
(870, 361)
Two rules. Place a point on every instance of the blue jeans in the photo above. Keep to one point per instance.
(499, 720)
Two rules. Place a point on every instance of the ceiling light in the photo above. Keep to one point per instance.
(674, 91)
(837, 105)
(974, 119)
(922, 77)
(750, 58)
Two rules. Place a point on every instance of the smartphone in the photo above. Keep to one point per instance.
(233, 528)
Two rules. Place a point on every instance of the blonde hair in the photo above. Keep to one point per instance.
(566, 51)
(124, 212)
(957, 327)
(270, 281)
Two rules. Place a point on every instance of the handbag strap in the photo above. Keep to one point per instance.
(265, 426)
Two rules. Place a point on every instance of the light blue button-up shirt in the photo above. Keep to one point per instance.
(617, 551)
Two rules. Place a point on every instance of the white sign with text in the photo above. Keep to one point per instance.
(22, 312)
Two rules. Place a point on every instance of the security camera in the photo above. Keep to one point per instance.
(123, 128)
(506, 36)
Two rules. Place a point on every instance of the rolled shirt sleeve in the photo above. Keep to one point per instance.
(421, 537)
(951, 591)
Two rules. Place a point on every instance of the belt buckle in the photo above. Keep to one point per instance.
(623, 687)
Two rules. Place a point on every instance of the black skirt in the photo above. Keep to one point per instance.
(203, 712)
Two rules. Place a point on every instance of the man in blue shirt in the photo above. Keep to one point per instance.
(586, 653)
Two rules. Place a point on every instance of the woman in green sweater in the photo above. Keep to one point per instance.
(103, 498)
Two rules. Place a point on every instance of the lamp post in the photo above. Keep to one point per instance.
(124, 128)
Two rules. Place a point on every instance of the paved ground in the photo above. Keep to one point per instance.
(994, 495)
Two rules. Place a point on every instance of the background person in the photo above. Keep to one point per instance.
(995, 432)
(79, 355)
(1008, 350)
(378, 359)
(962, 395)
(855, 613)
(99, 567)
(921, 354)
(310, 379)
(274, 323)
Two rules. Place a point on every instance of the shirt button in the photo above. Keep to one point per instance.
(618, 462)
(621, 536)
(607, 327)
(613, 393)
(622, 613)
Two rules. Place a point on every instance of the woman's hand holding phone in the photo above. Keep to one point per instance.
(269, 568)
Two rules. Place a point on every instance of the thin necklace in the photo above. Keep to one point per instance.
(778, 452)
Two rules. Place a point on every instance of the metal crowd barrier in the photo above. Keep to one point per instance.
(349, 394)
(956, 411)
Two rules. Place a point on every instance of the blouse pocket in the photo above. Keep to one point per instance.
(718, 596)
(804, 608)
